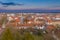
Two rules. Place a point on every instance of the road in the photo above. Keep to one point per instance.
(54, 36)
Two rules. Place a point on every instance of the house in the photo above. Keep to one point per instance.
(50, 28)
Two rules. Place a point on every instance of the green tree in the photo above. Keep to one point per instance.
(18, 36)
(39, 35)
(3, 20)
(28, 36)
(7, 35)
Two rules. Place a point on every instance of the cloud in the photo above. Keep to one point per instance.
(10, 4)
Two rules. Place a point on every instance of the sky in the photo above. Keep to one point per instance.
(29, 4)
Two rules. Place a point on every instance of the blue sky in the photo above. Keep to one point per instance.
(30, 4)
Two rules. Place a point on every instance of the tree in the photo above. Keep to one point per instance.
(3, 20)
(39, 35)
(28, 36)
(18, 36)
(7, 35)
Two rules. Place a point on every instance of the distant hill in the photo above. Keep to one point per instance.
(30, 11)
